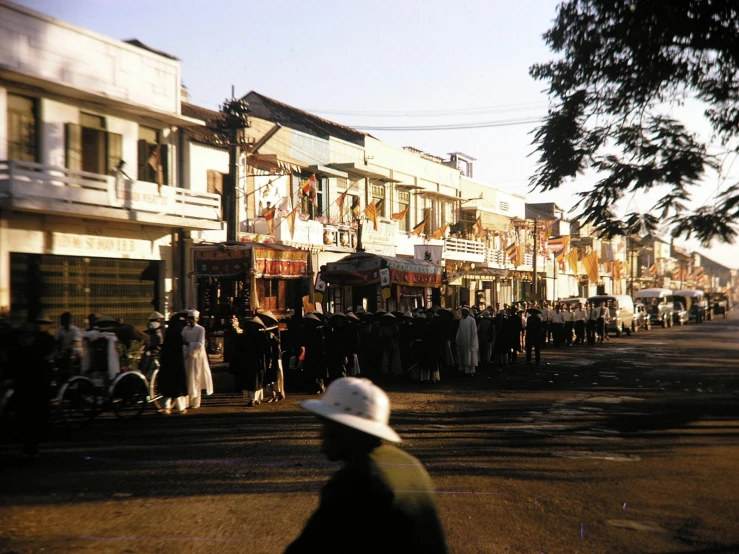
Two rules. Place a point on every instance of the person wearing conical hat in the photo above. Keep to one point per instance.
(199, 378)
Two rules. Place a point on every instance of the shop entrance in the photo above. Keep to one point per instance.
(127, 289)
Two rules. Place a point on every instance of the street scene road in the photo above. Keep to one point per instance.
(629, 446)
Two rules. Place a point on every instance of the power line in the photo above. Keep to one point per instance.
(451, 126)
(432, 113)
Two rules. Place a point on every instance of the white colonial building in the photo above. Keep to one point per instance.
(92, 204)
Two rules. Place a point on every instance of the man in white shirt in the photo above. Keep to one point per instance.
(557, 324)
(545, 324)
(68, 339)
(591, 322)
(580, 317)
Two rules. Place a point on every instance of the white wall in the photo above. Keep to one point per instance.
(3, 124)
(203, 158)
(43, 47)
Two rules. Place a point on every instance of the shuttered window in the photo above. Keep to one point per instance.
(22, 128)
(90, 148)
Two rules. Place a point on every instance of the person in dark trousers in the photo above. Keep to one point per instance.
(382, 499)
(534, 334)
(32, 383)
(172, 379)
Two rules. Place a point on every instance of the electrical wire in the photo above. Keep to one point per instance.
(433, 113)
(449, 127)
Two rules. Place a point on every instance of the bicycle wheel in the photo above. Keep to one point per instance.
(154, 395)
(129, 394)
(77, 401)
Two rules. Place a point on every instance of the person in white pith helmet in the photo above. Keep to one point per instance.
(382, 499)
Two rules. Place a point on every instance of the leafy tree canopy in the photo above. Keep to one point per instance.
(620, 66)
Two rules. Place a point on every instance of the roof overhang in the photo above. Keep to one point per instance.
(365, 170)
(328, 171)
(60, 91)
(440, 195)
(275, 162)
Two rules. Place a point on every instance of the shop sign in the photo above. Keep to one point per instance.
(68, 243)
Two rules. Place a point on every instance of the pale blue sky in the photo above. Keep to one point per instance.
(399, 56)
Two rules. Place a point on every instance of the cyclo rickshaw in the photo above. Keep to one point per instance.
(104, 383)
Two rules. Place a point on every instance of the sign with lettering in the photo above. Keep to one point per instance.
(110, 247)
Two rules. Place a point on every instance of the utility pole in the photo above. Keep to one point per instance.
(230, 128)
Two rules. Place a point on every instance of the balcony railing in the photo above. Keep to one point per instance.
(50, 189)
(464, 250)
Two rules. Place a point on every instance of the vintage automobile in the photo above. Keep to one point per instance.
(641, 318)
(659, 303)
(679, 314)
(718, 305)
(621, 309)
(695, 303)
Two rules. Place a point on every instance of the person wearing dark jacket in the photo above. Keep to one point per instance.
(382, 499)
(32, 382)
(172, 379)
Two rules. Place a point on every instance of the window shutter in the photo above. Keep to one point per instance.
(73, 153)
(281, 294)
(115, 151)
(164, 158)
(142, 151)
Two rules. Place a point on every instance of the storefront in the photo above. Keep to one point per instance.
(54, 264)
(242, 277)
(380, 283)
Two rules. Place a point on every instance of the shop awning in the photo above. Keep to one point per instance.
(271, 261)
(275, 162)
(366, 269)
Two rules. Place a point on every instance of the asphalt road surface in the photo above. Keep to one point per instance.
(630, 446)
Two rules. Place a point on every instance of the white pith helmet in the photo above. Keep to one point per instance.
(356, 403)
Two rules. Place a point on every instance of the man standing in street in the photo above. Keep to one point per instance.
(382, 499)
(467, 345)
(533, 335)
(580, 316)
(196, 360)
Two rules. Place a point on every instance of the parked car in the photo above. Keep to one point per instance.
(621, 308)
(659, 304)
(695, 303)
(641, 318)
(718, 305)
(680, 316)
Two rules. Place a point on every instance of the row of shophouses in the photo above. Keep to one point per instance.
(116, 195)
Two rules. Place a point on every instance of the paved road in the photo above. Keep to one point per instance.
(630, 446)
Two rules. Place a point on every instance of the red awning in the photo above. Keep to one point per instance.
(364, 268)
(271, 261)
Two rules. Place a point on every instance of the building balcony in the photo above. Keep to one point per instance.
(463, 250)
(310, 234)
(33, 187)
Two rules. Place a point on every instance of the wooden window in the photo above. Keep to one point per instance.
(22, 128)
(378, 198)
(89, 147)
(151, 156)
(269, 293)
(215, 182)
(404, 202)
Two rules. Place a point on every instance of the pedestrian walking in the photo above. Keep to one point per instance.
(389, 339)
(382, 499)
(172, 377)
(196, 360)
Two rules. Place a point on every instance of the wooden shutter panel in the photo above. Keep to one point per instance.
(281, 294)
(164, 158)
(211, 181)
(115, 151)
(73, 151)
(142, 151)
